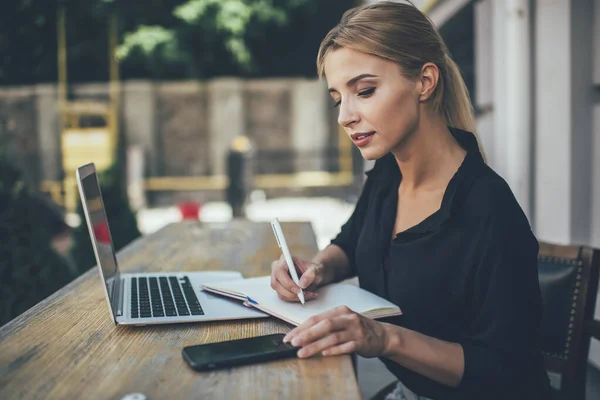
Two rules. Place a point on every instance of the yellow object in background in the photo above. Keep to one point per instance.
(241, 144)
(84, 145)
(81, 146)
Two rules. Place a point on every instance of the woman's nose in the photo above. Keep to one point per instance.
(347, 115)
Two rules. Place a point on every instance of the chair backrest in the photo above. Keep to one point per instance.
(569, 284)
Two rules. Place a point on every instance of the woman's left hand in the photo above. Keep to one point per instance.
(339, 331)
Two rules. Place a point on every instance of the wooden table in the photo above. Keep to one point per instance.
(67, 347)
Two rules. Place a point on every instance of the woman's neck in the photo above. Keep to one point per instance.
(429, 157)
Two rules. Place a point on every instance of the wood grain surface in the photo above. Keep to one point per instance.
(67, 347)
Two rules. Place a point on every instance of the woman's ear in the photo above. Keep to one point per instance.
(429, 79)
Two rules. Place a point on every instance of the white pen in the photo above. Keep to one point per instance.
(286, 255)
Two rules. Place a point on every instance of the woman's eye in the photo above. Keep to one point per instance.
(366, 93)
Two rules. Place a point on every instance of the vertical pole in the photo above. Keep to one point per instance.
(114, 89)
(62, 89)
(517, 65)
(62, 56)
(563, 121)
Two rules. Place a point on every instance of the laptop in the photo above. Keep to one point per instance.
(151, 298)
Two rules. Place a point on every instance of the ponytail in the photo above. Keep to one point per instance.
(456, 103)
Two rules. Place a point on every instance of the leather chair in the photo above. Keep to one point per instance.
(569, 284)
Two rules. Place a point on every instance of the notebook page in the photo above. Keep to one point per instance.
(331, 296)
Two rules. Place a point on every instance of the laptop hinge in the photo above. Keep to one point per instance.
(120, 297)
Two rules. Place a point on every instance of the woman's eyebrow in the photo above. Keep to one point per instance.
(354, 80)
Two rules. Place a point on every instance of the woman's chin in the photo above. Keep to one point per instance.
(371, 153)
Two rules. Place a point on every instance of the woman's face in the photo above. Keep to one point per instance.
(378, 107)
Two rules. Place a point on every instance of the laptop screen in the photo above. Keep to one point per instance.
(99, 227)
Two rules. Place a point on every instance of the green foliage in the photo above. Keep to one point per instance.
(231, 17)
(228, 20)
(166, 39)
(30, 269)
(155, 46)
(148, 39)
(121, 219)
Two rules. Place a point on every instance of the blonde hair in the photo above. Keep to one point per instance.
(401, 33)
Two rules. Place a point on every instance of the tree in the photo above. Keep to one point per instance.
(28, 40)
(165, 39)
(235, 37)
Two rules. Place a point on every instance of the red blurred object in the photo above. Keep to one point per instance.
(189, 210)
(101, 232)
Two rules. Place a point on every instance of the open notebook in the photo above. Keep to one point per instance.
(258, 292)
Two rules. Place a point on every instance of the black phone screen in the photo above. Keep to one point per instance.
(238, 352)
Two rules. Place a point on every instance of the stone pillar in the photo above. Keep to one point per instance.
(595, 216)
(512, 96)
(596, 136)
(309, 124)
(563, 120)
(595, 212)
(226, 119)
(596, 43)
(48, 127)
(484, 76)
(139, 107)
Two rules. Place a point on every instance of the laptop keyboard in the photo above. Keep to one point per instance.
(163, 297)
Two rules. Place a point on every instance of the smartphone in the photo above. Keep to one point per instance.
(205, 357)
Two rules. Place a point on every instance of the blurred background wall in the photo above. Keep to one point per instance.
(185, 128)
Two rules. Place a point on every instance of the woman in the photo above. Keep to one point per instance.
(435, 231)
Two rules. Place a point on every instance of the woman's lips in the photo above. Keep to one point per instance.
(362, 139)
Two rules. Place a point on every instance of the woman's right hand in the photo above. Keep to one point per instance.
(310, 275)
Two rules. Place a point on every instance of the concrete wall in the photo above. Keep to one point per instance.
(139, 118)
(19, 131)
(268, 121)
(311, 128)
(503, 93)
(596, 131)
(596, 43)
(182, 129)
(484, 76)
(185, 128)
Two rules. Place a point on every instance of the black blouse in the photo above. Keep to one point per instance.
(466, 274)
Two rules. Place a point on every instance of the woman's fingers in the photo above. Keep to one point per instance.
(340, 333)
(289, 295)
(283, 284)
(318, 326)
(314, 320)
(318, 347)
(281, 281)
(306, 272)
(283, 292)
(316, 332)
(344, 348)
(308, 277)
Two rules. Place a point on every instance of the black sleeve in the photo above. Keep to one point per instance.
(501, 342)
(350, 231)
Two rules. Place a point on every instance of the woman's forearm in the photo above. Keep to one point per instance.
(336, 265)
(436, 359)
